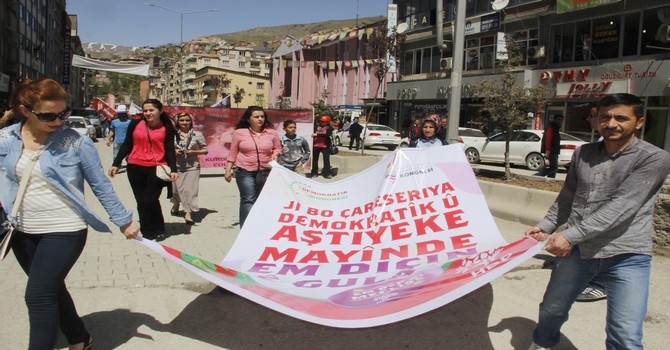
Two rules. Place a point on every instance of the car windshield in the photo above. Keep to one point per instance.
(568, 137)
(76, 124)
(471, 133)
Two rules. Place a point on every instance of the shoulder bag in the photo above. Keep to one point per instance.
(333, 148)
(7, 228)
(261, 175)
(162, 171)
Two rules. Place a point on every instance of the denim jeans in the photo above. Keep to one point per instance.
(47, 259)
(115, 150)
(627, 288)
(246, 184)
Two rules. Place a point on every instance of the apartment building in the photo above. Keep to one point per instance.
(38, 39)
(336, 64)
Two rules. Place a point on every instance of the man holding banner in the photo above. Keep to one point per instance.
(607, 202)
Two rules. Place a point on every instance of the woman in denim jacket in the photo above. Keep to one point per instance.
(53, 218)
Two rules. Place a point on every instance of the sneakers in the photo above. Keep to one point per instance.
(534, 346)
(591, 294)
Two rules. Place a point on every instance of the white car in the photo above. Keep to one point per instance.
(375, 135)
(82, 126)
(524, 148)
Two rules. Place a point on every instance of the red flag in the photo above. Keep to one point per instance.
(104, 109)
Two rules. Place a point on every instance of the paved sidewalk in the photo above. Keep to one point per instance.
(130, 298)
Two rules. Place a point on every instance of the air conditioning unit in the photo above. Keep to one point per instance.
(536, 51)
(446, 63)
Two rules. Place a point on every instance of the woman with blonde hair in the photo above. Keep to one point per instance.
(189, 145)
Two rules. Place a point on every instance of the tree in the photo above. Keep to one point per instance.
(238, 95)
(381, 43)
(321, 107)
(221, 84)
(508, 101)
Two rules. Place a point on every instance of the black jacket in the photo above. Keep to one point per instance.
(355, 129)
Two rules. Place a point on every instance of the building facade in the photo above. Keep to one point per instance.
(581, 52)
(38, 40)
(336, 65)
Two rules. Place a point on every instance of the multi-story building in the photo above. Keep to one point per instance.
(37, 41)
(581, 52)
(336, 64)
(252, 88)
(239, 58)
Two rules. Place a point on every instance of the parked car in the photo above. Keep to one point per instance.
(92, 116)
(524, 148)
(82, 126)
(470, 135)
(375, 135)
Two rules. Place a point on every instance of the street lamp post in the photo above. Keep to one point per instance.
(181, 42)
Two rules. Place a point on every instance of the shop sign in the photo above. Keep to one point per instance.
(591, 90)
(565, 75)
(628, 74)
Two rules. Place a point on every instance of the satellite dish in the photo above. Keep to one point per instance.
(498, 5)
(402, 27)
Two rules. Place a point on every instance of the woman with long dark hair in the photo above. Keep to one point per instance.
(149, 143)
(255, 144)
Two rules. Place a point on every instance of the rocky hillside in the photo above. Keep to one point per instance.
(261, 36)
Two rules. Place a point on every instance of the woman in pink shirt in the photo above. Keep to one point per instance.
(255, 144)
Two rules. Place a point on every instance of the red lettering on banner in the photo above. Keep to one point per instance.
(463, 241)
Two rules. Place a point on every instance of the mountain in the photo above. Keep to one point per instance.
(260, 36)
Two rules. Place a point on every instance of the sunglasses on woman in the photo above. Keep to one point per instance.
(49, 116)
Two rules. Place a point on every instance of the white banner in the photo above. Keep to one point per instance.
(89, 63)
(408, 235)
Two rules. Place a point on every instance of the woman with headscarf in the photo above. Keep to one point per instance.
(428, 136)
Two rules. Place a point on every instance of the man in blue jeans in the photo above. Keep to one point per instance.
(608, 203)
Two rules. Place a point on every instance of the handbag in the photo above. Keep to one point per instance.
(261, 175)
(162, 171)
(333, 149)
(7, 228)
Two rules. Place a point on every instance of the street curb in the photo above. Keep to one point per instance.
(515, 203)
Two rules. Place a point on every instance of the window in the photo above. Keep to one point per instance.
(606, 35)
(631, 29)
(225, 63)
(260, 85)
(655, 34)
(241, 64)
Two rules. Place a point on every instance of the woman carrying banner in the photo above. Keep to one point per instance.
(428, 133)
(255, 143)
(189, 145)
(52, 161)
(149, 142)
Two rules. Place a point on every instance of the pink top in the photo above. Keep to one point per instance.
(243, 151)
(141, 153)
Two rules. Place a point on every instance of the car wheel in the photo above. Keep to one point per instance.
(391, 148)
(337, 141)
(472, 155)
(404, 145)
(535, 161)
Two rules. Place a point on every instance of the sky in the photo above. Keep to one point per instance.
(132, 23)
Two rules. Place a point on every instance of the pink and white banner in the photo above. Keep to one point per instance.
(406, 236)
(218, 124)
